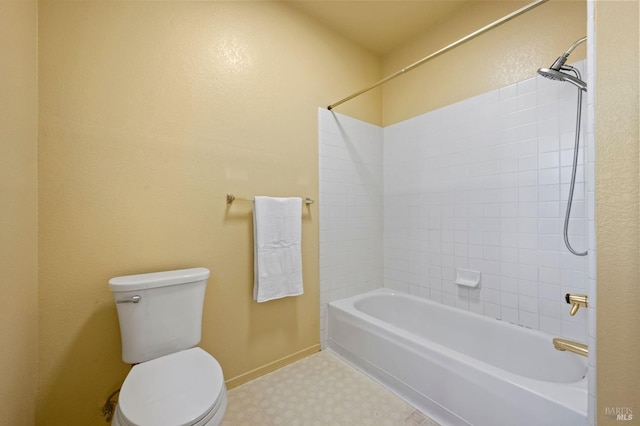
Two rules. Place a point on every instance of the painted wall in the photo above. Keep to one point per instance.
(18, 212)
(509, 53)
(105, 127)
(150, 113)
(617, 209)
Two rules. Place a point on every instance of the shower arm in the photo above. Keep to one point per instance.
(443, 50)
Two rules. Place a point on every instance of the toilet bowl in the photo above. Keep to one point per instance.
(173, 382)
(182, 389)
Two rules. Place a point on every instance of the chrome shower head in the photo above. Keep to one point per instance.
(555, 71)
(561, 76)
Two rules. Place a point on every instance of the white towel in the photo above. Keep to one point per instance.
(277, 235)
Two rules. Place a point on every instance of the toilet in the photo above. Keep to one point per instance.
(173, 382)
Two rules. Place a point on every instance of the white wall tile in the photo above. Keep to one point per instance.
(351, 208)
(494, 201)
(480, 184)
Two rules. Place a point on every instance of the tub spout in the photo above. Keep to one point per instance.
(568, 345)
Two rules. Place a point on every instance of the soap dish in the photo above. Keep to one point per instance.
(467, 277)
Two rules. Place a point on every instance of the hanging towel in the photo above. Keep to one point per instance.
(277, 235)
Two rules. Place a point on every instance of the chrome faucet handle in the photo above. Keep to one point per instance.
(577, 301)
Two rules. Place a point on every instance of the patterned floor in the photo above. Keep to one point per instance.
(318, 390)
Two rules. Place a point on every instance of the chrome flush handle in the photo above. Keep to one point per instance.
(132, 299)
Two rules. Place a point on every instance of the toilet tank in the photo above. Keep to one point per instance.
(159, 313)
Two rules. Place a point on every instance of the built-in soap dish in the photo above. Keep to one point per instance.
(467, 277)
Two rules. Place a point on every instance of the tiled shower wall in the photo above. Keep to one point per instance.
(481, 185)
(350, 209)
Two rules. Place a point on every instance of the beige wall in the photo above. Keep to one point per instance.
(617, 209)
(150, 112)
(18, 212)
(501, 56)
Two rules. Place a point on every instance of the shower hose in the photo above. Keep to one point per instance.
(575, 166)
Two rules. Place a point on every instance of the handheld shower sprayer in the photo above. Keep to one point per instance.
(556, 73)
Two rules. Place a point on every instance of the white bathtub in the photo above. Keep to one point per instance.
(458, 367)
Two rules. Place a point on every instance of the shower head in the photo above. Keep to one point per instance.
(561, 76)
(555, 71)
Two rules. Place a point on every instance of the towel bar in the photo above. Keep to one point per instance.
(231, 198)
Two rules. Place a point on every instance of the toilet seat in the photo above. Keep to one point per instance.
(181, 389)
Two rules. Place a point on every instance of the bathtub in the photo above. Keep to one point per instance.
(457, 367)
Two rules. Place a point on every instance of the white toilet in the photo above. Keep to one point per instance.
(174, 383)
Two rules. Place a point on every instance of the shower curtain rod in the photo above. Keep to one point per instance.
(443, 50)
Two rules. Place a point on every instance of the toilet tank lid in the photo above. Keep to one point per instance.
(158, 279)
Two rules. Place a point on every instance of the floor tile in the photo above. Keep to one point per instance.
(318, 390)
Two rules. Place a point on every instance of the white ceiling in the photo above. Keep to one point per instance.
(379, 26)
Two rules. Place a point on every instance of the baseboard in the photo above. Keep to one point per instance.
(267, 368)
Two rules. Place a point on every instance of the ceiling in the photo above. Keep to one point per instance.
(379, 26)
